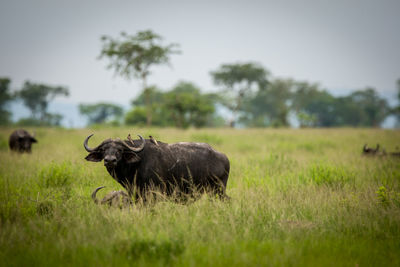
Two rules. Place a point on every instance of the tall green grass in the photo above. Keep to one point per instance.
(298, 197)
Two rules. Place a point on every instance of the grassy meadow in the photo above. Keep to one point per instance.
(298, 197)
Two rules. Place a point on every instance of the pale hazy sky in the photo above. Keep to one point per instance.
(343, 45)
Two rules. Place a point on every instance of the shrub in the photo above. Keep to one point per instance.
(56, 175)
(328, 175)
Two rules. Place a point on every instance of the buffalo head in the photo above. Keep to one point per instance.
(114, 152)
(113, 199)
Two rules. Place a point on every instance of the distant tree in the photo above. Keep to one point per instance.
(373, 108)
(156, 102)
(183, 106)
(396, 110)
(5, 98)
(360, 108)
(133, 56)
(237, 81)
(188, 106)
(37, 97)
(269, 106)
(137, 116)
(313, 106)
(101, 112)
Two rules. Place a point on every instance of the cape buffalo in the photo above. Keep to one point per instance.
(21, 141)
(367, 151)
(113, 199)
(143, 165)
(377, 152)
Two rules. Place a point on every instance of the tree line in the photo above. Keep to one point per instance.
(252, 95)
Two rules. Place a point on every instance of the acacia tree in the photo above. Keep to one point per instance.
(37, 97)
(237, 81)
(132, 56)
(100, 112)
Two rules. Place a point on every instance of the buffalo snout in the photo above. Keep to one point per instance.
(110, 161)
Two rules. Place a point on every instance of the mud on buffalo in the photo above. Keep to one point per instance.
(144, 165)
(21, 141)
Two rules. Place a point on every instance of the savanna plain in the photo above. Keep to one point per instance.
(299, 197)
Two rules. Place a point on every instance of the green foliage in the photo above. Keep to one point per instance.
(151, 250)
(362, 108)
(5, 98)
(37, 97)
(3, 143)
(188, 106)
(238, 80)
(45, 208)
(50, 119)
(396, 110)
(327, 175)
(136, 116)
(382, 195)
(156, 102)
(386, 197)
(314, 107)
(134, 55)
(306, 120)
(56, 175)
(101, 112)
(183, 106)
(269, 106)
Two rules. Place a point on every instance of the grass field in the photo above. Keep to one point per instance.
(299, 197)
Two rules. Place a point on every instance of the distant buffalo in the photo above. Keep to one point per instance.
(377, 152)
(146, 165)
(21, 141)
(113, 199)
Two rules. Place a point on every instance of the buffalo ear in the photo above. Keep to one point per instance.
(33, 140)
(131, 157)
(94, 156)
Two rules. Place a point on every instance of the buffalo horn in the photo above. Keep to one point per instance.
(85, 144)
(135, 149)
(94, 194)
(365, 148)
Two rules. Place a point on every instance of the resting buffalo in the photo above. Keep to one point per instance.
(144, 165)
(113, 199)
(377, 152)
(21, 141)
(370, 151)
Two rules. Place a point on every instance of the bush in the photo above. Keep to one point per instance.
(332, 176)
(56, 175)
